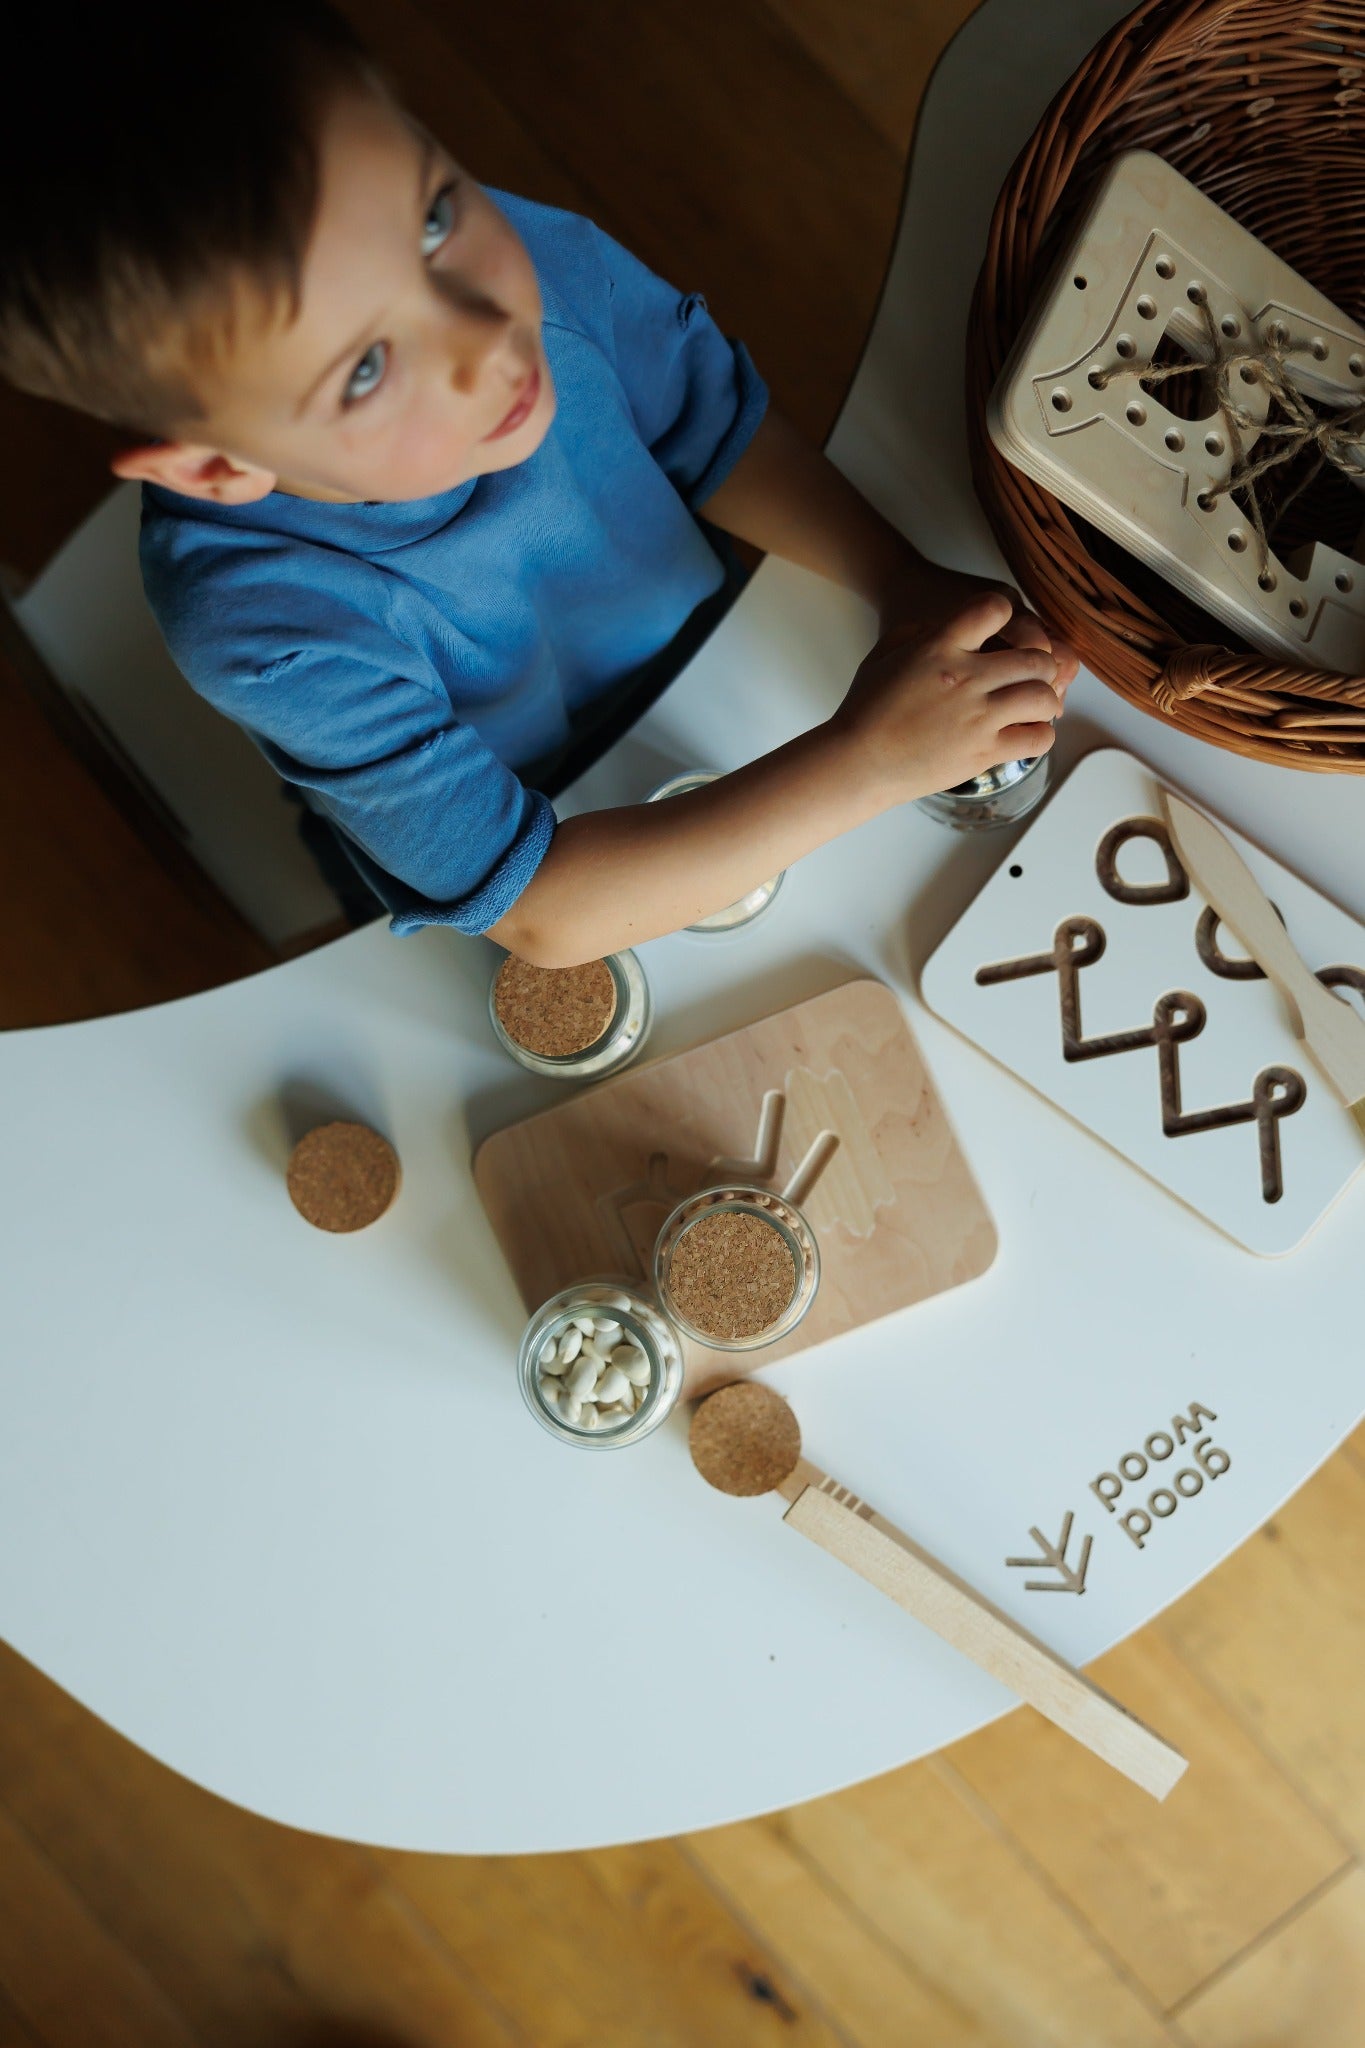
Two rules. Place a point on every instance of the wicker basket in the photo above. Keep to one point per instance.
(1261, 103)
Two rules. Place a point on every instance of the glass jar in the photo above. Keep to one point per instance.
(615, 1048)
(998, 796)
(750, 905)
(784, 1217)
(617, 1301)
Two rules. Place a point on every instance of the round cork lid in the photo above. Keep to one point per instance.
(342, 1176)
(745, 1439)
(554, 1012)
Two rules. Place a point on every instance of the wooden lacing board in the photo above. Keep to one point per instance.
(832, 1093)
(1154, 260)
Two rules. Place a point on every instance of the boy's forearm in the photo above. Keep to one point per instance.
(787, 498)
(616, 878)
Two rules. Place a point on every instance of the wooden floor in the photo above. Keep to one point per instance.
(1009, 1894)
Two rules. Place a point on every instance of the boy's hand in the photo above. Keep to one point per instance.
(921, 597)
(934, 704)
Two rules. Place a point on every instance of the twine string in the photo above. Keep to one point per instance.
(1336, 436)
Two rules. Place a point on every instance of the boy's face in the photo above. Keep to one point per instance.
(414, 361)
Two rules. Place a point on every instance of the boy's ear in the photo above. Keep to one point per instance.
(195, 472)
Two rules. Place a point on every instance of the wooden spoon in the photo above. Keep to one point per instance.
(746, 1440)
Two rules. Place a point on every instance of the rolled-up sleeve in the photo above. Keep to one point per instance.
(442, 830)
(695, 394)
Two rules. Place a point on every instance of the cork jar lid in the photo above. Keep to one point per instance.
(554, 1012)
(342, 1176)
(745, 1439)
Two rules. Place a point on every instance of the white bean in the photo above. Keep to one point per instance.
(588, 1419)
(583, 1378)
(613, 1385)
(607, 1332)
(550, 1391)
(546, 1352)
(632, 1363)
(592, 1349)
(570, 1344)
(585, 1324)
(573, 1409)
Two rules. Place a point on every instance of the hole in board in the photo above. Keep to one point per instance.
(1237, 541)
(1196, 294)
(1096, 379)
(1278, 333)
(1061, 399)
(1247, 374)
(1344, 582)
(1175, 440)
(1206, 501)
(1214, 443)
(1356, 366)
(1185, 388)
(1164, 267)
(1134, 413)
(1266, 580)
(1126, 346)
(1080, 283)
(1298, 607)
(1146, 308)
(1016, 871)
(1230, 326)
(1319, 349)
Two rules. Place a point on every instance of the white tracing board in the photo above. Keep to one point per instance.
(1092, 968)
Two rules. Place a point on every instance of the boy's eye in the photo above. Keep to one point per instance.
(368, 373)
(440, 220)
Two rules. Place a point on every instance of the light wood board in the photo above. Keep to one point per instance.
(1150, 249)
(1149, 951)
(583, 1187)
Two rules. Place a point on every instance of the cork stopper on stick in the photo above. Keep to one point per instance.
(554, 1011)
(342, 1176)
(745, 1439)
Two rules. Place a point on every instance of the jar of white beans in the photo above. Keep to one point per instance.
(599, 1365)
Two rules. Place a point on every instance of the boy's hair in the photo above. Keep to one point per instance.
(152, 151)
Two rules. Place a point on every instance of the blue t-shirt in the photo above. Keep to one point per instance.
(400, 662)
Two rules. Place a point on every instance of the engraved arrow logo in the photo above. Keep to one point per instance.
(1071, 1578)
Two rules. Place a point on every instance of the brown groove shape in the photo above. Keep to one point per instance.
(1174, 889)
(1177, 1017)
(1211, 953)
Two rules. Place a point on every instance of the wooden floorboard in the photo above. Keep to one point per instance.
(1302, 1578)
(931, 1876)
(1173, 1889)
(1011, 1895)
(1303, 1987)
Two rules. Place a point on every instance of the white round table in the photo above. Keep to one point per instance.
(269, 1500)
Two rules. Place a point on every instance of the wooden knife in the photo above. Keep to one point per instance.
(1330, 1029)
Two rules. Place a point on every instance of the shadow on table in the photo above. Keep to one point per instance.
(301, 1101)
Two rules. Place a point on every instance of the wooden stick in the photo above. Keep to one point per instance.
(888, 1559)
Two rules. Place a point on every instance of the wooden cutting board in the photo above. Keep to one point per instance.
(836, 1083)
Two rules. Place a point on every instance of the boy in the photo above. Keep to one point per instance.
(421, 472)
